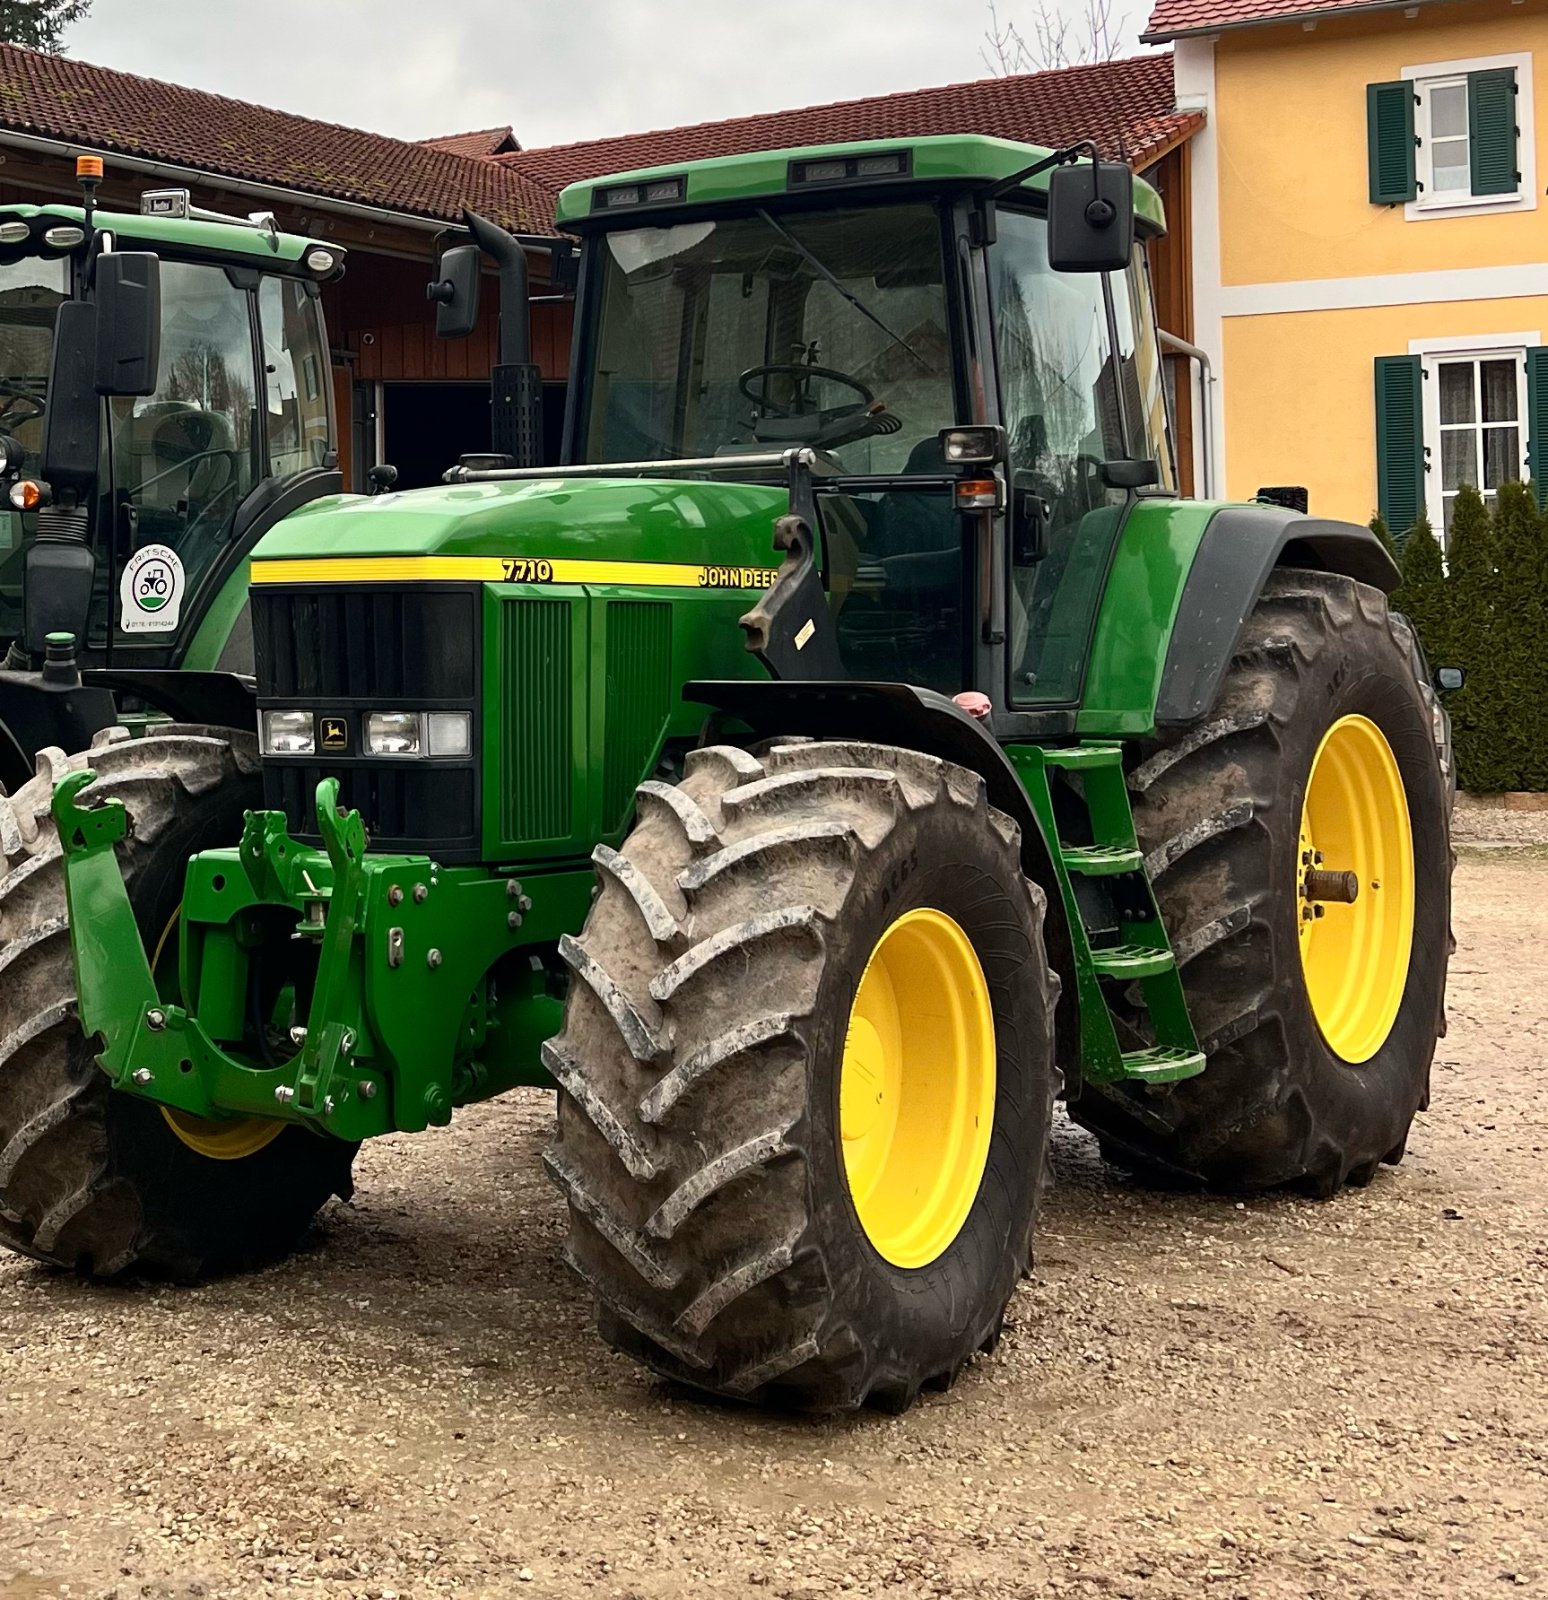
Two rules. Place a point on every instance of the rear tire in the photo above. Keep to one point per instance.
(699, 1142)
(1218, 809)
(91, 1179)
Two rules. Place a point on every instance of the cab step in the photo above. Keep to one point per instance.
(1101, 860)
(1131, 961)
(1162, 1065)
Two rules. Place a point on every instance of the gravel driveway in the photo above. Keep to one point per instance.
(1194, 1397)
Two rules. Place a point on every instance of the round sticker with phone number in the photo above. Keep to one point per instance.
(151, 591)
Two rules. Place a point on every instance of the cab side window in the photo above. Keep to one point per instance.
(1059, 394)
(182, 457)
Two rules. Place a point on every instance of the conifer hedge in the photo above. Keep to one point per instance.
(1484, 608)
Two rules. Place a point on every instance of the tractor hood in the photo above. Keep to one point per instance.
(551, 519)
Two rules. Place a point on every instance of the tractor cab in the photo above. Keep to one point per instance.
(165, 396)
(977, 413)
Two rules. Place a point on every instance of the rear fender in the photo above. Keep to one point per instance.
(1184, 579)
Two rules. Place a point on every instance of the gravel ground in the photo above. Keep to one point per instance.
(1195, 1397)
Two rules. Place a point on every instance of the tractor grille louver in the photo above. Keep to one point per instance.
(408, 643)
(639, 666)
(537, 690)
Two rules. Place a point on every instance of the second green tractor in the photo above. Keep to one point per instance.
(854, 747)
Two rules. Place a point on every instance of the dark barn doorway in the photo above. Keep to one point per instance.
(427, 426)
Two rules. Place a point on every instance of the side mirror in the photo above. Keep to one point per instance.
(128, 301)
(1030, 515)
(1449, 679)
(455, 292)
(1091, 217)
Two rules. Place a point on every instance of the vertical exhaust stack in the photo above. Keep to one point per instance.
(516, 385)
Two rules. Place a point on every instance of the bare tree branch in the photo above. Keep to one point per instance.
(1053, 39)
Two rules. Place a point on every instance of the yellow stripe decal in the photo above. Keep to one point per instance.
(507, 569)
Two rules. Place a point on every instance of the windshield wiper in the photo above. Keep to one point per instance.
(853, 299)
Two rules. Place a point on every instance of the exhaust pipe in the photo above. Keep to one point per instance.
(516, 385)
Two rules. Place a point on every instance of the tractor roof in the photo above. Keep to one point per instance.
(194, 234)
(942, 159)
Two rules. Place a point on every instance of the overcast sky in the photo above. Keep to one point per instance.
(557, 71)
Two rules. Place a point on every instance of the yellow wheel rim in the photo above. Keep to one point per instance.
(1355, 839)
(916, 1088)
(223, 1141)
(230, 1139)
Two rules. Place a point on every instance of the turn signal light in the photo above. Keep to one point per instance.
(978, 494)
(29, 494)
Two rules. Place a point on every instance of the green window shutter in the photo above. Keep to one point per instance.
(1389, 129)
(1399, 441)
(1537, 422)
(1491, 130)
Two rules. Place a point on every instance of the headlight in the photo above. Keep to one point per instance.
(393, 733)
(416, 733)
(289, 733)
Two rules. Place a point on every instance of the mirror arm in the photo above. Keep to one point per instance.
(1057, 158)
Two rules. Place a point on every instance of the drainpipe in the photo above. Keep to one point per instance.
(1170, 341)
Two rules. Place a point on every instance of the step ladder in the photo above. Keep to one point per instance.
(1139, 952)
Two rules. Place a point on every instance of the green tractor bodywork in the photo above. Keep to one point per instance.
(185, 408)
(839, 400)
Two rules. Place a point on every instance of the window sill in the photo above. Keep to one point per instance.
(1470, 206)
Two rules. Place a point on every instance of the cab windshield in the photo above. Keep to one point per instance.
(761, 332)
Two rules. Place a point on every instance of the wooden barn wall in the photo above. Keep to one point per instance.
(379, 315)
(1171, 276)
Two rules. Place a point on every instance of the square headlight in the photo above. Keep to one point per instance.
(289, 733)
(394, 733)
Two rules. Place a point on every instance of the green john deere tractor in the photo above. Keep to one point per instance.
(134, 349)
(808, 886)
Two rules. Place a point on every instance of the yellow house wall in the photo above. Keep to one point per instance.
(1301, 391)
(1289, 117)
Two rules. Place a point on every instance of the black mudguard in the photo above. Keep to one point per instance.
(217, 699)
(1241, 546)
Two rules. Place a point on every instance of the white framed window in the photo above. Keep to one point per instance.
(1475, 417)
(1445, 122)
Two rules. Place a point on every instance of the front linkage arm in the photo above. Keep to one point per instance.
(399, 1003)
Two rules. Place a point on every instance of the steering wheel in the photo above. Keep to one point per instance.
(803, 376)
(20, 406)
(799, 422)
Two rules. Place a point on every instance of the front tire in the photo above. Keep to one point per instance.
(1318, 1057)
(97, 1181)
(748, 1217)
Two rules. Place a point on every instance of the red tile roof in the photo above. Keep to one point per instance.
(481, 142)
(1172, 18)
(1125, 106)
(100, 110)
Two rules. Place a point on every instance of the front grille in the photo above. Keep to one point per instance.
(383, 645)
(406, 811)
(343, 652)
